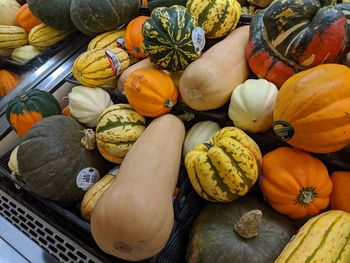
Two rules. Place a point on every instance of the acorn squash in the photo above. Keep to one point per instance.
(340, 197)
(9, 9)
(26, 19)
(8, 81)
(24, 53)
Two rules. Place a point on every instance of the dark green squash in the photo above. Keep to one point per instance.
(213, 238)
(25, 110)
(51, 156)
(168, 38)
(152, 4)
(291, 35)
(93, 17)
(55, 13)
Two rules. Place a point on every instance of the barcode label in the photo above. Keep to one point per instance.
(198, 39)
(87, 178)
(113, 61)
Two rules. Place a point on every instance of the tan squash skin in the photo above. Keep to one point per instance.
(208, 82)
(134, 218)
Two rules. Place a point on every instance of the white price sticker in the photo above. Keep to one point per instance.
(87, 178)
(198, 39)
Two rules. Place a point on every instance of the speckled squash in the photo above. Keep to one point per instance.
(217, 17)
(118, 127)
(168, 38)
(324, 238)
(12, 37)
(97, 67)
(290, 36)
(225, 167)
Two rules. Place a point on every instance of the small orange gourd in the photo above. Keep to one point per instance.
(8, 81)
(340, 197)
(151, 92)
(134, 37)
(26, 19)
(312, 110)
(295, 183)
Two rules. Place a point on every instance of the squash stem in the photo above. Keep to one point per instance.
(249, 223)
(169, 103)
(89, 139)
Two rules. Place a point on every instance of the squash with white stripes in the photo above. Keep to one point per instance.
(291, 35)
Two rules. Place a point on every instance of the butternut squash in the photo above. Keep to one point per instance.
(134, 218)
(208, 82)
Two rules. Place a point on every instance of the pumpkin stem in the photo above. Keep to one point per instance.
(169, 103)
(89, 140)
(248, 224)
(306, 196)
(23, 97)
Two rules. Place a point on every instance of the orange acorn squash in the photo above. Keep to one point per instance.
(312, 111)
(295, 183)
(340, 197)
(8, 81)
(26, 19)
(134, 218)
(134, 37)
(150, 91)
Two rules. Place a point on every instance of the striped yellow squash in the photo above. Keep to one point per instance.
(97, 67)
(43, 36)
(108, 39)
(118, 127)
(225, 167)
(324, 238)
(218, 18)
(12, 37)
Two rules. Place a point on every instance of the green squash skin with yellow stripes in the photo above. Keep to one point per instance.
(118, 127)
(324, 238)
(218, 18)
(225, 167)
(168, 38)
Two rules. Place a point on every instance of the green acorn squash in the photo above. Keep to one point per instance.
(55, 13)
(152, 4)
(215, 236)
(95, 17)
(170, 38)
(54, 163)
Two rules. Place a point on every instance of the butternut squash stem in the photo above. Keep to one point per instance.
(249, 223)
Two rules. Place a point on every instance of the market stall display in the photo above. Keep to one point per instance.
(221, 144)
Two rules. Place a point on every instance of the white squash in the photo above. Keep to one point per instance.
(13, 164)
(199, 133)
(25, 53)
(251, 106)
(8, 11)
(86, 104)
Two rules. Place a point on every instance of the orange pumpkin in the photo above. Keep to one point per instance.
(295, 183)
(26, 19)
(312, 111)
(340, 197)
(134, 37)
(151, 92)
(8, 81)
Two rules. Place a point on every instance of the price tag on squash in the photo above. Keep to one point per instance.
(198, 39)
(87, 178)
(113, 61)
(120, 42)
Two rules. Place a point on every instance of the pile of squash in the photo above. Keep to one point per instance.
(280, 206)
